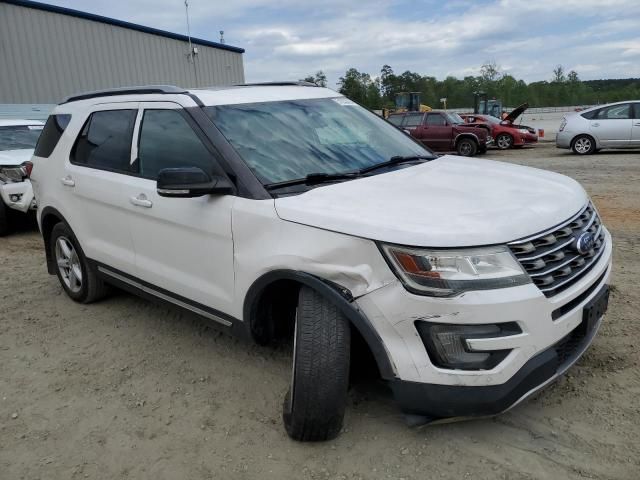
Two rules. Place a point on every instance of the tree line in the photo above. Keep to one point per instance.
(562, 89)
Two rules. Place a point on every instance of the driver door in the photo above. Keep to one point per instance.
(183, 246)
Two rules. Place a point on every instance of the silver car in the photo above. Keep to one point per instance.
(616, 125)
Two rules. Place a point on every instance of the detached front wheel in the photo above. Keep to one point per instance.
(314, 407)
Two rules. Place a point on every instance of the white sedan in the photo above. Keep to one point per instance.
(17, 141)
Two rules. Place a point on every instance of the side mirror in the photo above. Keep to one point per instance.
(189, 182)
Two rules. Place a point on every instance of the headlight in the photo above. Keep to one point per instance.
(525, 131)
(446, 273)
(13, 174)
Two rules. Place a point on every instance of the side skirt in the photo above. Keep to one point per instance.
(151, 292)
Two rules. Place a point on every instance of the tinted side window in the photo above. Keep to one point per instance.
(636, 109)
(168, 141)
(413, 120)
(395, 119)
(105, 140)
(51, 134)
(436, 120)
(615, 112)
(590, 115)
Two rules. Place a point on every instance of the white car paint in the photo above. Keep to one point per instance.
(434, 209)
(211, 250)
(11, 158)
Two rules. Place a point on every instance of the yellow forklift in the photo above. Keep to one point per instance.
(406, 102)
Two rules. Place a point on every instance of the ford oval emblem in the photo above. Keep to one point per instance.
(584, 243)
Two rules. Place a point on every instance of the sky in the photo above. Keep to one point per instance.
(290, 39)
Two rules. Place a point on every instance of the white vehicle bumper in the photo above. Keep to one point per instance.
(18, 195)
(532, 362)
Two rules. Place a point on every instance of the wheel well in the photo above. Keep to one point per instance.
(464, 136)
(272, 321)
(49, 220)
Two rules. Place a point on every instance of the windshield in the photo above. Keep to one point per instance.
(19, 137)
(454, 118)
(291, 139)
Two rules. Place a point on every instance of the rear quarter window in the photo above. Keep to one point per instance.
(51, 133)
(589, 115)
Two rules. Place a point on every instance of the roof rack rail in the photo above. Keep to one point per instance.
(300, 83)
(125, 91)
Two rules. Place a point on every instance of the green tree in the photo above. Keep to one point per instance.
(319, 79)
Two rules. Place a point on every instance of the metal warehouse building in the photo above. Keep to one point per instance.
(49, 52)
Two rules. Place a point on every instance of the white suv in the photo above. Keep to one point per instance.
(286, 211)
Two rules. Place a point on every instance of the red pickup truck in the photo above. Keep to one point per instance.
(443, 131)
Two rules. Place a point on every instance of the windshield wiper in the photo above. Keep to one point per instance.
(313, 179)
(396, 160)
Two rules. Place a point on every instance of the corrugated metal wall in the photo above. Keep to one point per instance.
(45, 56)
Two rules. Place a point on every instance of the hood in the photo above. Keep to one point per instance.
(15, 157)
(448, 202)
(516, 112)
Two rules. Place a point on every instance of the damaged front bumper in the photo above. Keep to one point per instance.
(18, 196)
(555, 332)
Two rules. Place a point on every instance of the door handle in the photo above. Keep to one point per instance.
(68, 181)
(595, 124)
(636, 124)
(141, 201)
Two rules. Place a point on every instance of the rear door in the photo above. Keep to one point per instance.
(438, 132)
(612, 125)
(92, 184)
(635, 127)
(183, 245)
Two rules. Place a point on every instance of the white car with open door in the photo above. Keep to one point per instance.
(17, 140)
(287, 211)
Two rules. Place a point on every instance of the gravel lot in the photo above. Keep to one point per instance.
(127, 389)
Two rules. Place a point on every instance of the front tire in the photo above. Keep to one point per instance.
(314, 407)
(583, 145)
(504, 141)
(78, 279)
(467, 147)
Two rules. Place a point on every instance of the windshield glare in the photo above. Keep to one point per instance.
(291, 139)
(19, 137)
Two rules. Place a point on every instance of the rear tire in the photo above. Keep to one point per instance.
(77, 277)
(466, 147)
(314, 406)
(583, 145)
(504, 141)
(4, 219)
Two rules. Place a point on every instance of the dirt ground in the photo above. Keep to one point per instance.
(127, 389)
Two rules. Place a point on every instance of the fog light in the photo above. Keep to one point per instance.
(15, 198)
(448, 348)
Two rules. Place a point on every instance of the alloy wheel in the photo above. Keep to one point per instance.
(583, 145)
(68, 264)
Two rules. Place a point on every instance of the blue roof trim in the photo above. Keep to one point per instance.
(119, 23)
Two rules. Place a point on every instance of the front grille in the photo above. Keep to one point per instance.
(551, 258)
